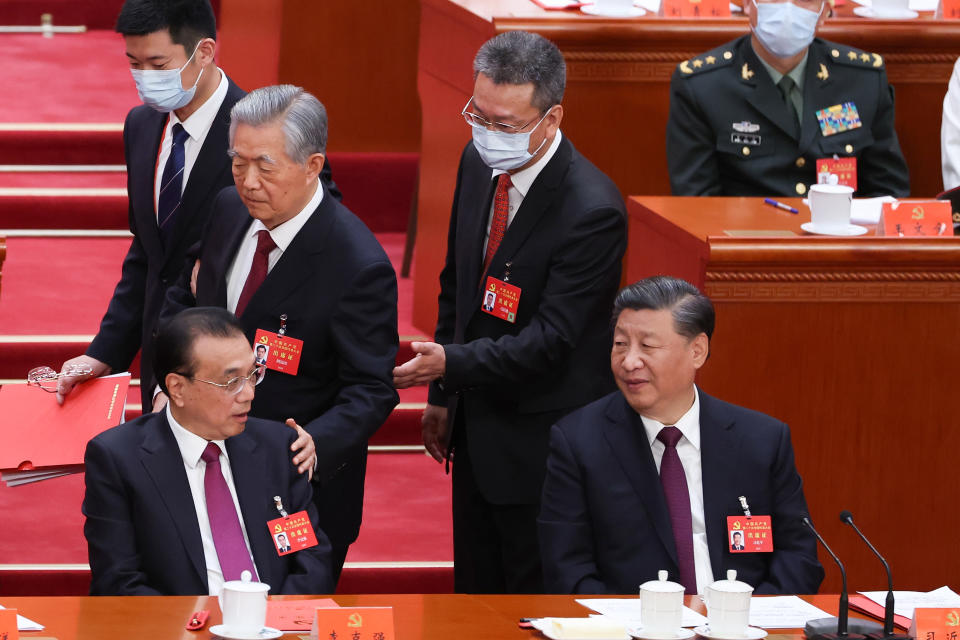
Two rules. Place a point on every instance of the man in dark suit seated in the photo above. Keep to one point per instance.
(175, 146)
(178, 501)
(543, 230)
(645, 478)
(753, 117)
(308, 279)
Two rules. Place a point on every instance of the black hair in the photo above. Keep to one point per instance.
(188, 21)
(521, 57)
(173, 347)
(692, 311)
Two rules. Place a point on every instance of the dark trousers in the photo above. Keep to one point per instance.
(337, 555)
(495, 547)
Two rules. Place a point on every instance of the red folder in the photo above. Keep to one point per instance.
(36, 432)
(863, 604)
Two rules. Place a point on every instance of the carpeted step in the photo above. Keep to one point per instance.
(101, 14)
(62, 143)
(63, 208)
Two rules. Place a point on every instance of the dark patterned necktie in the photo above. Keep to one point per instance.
(674, 482)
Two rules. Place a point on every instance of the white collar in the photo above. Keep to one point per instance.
(191, 445)
(200, 121)
(283, 234)
(523, 180)
(689, 423)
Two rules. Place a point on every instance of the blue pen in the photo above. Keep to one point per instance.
(779, 205)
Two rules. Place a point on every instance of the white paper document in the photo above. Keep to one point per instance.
(782, 612)
(26, 624)
(627, 610)
(904, 602)
(867, 210)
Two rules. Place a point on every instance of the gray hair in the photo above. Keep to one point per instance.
(304, 118)
(520, 57)
(692, 311)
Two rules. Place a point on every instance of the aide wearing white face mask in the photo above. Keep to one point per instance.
(779, 109)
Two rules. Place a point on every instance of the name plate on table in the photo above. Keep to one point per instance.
(695, 9)
(353, 623)
(915, 218)
(8, 624)
(936, 624)
(948, 10)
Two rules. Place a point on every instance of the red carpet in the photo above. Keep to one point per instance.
(101, 14)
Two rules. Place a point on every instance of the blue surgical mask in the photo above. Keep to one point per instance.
(502, 150)
(163, 89)
(783, 28)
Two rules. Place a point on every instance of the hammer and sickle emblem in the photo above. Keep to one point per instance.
(953, 620)
(736, 525)
(355, 620)
(263, 339)
(917, 213)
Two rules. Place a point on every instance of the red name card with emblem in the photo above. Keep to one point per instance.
(8, 624)
(936, 623)
(695, 9)
(915, 218)
(948, 10)
(353, 623)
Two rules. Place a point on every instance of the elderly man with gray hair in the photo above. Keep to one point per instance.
(307, 279)
(544, 230)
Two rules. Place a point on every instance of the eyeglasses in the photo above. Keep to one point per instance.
(475, 120)
(46, 378)
(234, 386)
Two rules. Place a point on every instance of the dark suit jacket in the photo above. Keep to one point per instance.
(149, 268)
(604, 525)
(339, 292)
(141, 523)
(711, 150)
(511, 381)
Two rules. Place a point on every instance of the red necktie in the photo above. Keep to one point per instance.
(498, 226)
(258, 270)
(674, 482)
(224, 523)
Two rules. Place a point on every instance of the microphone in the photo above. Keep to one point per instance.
(847, 518)
(837, 628)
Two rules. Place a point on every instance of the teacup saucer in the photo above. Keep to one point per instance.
(846, 230)
(267, 633)
(681, 634)
(753, 633)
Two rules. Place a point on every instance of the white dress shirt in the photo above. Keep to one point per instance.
(520, 183)
(192, 447)
(197, 125)
(688, 449)
(950, 132)
(282, 235)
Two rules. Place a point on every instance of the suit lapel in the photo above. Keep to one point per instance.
(294, 265)
(760, 90)
(161, 458)
(719, 449)
(223, 258)
(817, 83)
(143, 164)
(628, 440)
(247, 463)
(473, 232)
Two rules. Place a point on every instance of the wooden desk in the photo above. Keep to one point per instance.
(852, 342)
(617, 98)
(424, 617)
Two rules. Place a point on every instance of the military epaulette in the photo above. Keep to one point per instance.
(715, 59)
(851, 56)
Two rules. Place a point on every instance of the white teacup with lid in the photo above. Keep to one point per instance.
(661, 607)
(244, 606)
(728, 607)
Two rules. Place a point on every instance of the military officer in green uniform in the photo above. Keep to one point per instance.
(751, 118)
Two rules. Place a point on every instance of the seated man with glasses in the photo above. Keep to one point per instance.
(756, 116)
(177, 502)
(544, 230)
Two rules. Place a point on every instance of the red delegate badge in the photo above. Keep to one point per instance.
(278, 353)
(292, 533)
(500, 299)
(845, 170)
(749, 535)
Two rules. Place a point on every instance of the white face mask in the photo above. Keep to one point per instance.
(502, 150)
(783, 28)
(163, 89)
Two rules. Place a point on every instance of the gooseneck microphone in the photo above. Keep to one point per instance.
(847, 518)
(844, 600)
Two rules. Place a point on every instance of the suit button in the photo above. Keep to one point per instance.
(801, 162)
(848, 148)
(164, 281)
(746, 151)
(801, 188)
